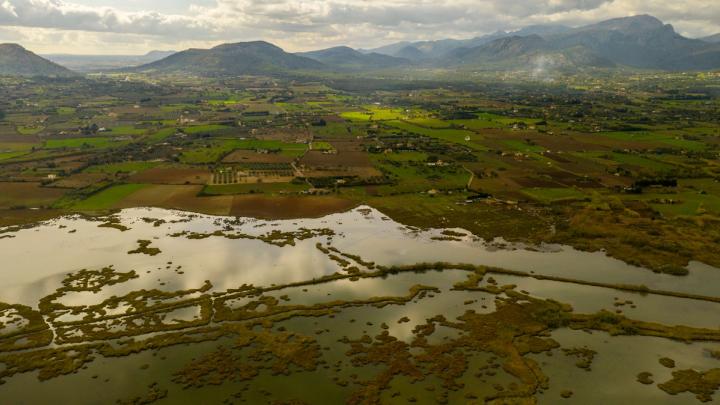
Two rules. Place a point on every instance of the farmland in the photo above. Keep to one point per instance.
(522, 160)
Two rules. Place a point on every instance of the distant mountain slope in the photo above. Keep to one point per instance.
(91, 63)
(524, 52)
(713, 39)
(440, 48)
(244, 58)
(411, 53)
(637, 42)
(345, 58)
(499, 49)
(18, 61)
(640, 41)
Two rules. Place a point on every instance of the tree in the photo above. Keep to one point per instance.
(2, 115)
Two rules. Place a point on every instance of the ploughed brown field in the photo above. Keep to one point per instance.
(172, 175)
(79, 180)
(179, 197)
(185, 198)
(30, 195)
(288, 207)
(251, 156)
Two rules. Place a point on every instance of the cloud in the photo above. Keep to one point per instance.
(310, 24)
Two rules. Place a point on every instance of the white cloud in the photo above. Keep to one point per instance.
(307, 24)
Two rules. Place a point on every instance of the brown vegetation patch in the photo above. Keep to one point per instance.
(27, 195)
(251, 156)
(177, 197)
(26, 216)
(80, 180)
(333, 160)
(663, 245)
(362, 172)
(283, 134)
(345, 145)
(702, 384)
(536, 182)
(172, 175)
(288, 207)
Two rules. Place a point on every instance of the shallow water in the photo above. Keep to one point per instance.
(191, 267)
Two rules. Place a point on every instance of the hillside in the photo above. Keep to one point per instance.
(244, 58)
(640, 42)
(18, 61)
(345, 58)
(713, 39)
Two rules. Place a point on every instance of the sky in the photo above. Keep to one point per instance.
(139, 26)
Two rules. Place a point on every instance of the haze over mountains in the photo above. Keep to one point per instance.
(92, 63)
(245, 58)
(641, 42)
(712, 38)
(349, 59)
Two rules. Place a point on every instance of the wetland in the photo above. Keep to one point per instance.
(350, 307)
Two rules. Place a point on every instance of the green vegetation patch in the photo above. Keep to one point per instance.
(375, 113)
(522, 146)
(107, 198)
(29, 130)
(124, 167)
(76, 143)
(127, 130)
(671, 140)
(320, 145)
(199, 129)
(458, 136)
(215, 150)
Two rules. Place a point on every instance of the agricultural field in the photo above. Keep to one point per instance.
(551, 154)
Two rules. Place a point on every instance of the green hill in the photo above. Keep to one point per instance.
(244, 58)
(18, 61)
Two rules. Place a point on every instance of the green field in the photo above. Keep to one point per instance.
(670, 140)
(458, 136)
(106, 198)
(375, 113)
(82, 143)
(415, 176)
(124, 167)
(198, 129)
(127, 130)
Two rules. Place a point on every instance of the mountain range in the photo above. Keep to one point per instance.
(346, 58)
(641, 42)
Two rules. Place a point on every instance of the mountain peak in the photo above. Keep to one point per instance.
(12, 47)
(260, 45)
(632, 24)
(256, 57)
